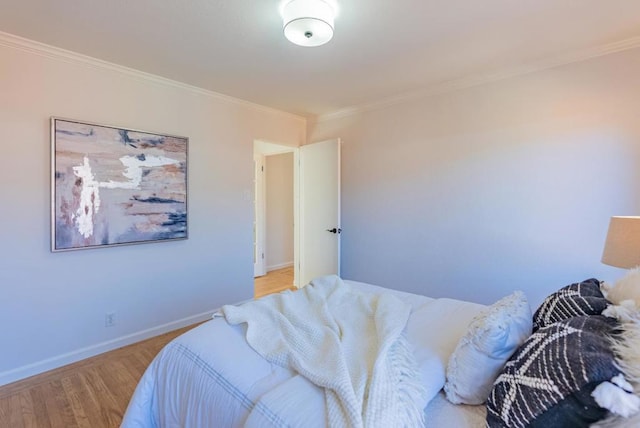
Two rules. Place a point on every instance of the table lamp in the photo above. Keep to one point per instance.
(622, 249)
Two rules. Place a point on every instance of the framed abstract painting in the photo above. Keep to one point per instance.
(115, 186)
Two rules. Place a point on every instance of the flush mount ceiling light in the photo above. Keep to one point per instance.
(308, 22)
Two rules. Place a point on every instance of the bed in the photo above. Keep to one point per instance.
(211, 377)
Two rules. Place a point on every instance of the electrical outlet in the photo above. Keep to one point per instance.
(109, 319)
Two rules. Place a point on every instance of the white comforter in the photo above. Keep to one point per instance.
(210, 377)
(348, 342)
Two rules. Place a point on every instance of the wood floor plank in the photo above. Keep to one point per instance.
(5, 411)
(134, 366)
(26, 407)
(11, 412)
(40, 415)
(85, 409)
(118, 381)
(274, 282)
(142, 359)
(15, 408)
(110, 412)
(57, 406)
(77, 408)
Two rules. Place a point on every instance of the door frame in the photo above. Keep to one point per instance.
(259, 217)
(262, 149)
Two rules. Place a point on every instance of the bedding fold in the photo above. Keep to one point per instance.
(348, 342)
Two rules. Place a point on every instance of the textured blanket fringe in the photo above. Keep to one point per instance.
(626, 288)
(626, 311)
(400, 405)
(617, 397)
(626, 347)
(410, 389)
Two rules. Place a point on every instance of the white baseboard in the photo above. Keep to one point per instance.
(32, 369)
(279, 266)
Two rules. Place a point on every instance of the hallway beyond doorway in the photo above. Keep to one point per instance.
(274, 282)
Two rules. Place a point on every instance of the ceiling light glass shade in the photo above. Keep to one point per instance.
(308, 22)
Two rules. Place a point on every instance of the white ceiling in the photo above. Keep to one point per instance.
(381, 49)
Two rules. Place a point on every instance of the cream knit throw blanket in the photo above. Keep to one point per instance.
(348, 342)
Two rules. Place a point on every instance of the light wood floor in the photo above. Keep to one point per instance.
(95, 392)
(90, 393)
(274, 282)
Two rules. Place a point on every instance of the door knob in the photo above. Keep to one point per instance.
(334, 230)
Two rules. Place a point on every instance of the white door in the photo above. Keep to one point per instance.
(259, 227)
(319, 210)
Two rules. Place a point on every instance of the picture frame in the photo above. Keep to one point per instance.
(113, 186)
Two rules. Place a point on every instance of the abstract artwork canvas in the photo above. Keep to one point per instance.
(115, 186)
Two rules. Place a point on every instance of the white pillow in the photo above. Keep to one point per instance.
(432, 347)
(493, 336)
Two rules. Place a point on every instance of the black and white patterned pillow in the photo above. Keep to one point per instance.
(582, 298)
(548, 382)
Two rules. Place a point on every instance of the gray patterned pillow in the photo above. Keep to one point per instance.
(582, 298)
(548, 382)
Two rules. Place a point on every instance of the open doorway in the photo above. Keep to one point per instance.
(316, 211)
(274, 220)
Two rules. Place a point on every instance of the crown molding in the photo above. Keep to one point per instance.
(59, 54)
(483, 79)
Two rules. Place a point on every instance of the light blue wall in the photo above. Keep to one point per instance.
(52, 306)
(279, 210)
(505, 186)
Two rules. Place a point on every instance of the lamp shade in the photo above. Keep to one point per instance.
(308, 22)
(622, 247)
